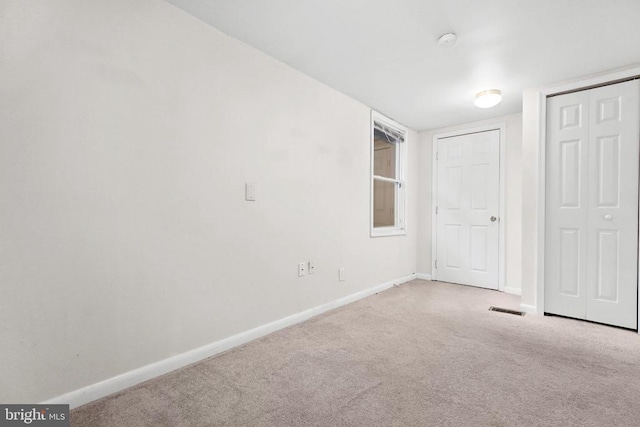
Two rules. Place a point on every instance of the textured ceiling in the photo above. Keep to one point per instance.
(384, 53)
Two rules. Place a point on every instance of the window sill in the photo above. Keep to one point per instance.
(387, 231)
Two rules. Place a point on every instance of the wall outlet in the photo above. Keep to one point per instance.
(312, 267)
(341, 274)
(302, 269)
(250, 192)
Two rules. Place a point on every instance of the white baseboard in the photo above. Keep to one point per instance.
(529, 308)
(423, 276)
(120, 382)
(514, 291)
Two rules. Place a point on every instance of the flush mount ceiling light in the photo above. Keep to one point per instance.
(488, 98)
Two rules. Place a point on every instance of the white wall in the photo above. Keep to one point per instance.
(531, 209)
(513, 176)
(127, 132)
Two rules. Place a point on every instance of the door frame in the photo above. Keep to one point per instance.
(501, 127)
(540, 124)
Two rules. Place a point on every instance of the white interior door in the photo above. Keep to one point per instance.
(591, 261)
(468, 205)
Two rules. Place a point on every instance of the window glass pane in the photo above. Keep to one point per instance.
(384, 201)
(384, 156)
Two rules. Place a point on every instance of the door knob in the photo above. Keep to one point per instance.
(608, 217)
(493, 219)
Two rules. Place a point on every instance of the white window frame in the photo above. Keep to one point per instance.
(401, 199)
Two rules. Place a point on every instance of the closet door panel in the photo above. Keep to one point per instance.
(566, 200)
(612, 257)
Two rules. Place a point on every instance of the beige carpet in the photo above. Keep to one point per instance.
(422, 354)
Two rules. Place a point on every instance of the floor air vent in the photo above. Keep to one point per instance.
(506, 310)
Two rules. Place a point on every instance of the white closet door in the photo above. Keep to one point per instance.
(591, 247)
(612, 257)
(468, 198)
(566, 205)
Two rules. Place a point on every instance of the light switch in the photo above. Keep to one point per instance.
(250, 192)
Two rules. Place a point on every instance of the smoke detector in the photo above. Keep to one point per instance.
(447, 40)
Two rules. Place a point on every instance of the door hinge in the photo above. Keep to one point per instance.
(436, 266)
(437, 155)
(436, 210)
